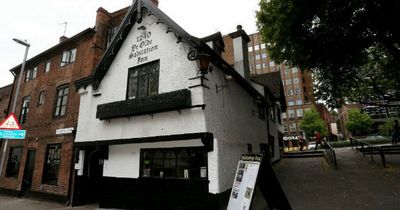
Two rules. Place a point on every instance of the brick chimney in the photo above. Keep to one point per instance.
(155, 2)
(63, 38)
(240, 52)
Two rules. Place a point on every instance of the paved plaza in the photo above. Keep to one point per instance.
(358, 183)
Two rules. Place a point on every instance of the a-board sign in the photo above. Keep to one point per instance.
(244, 182)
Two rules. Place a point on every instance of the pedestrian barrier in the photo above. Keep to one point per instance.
(330, 153)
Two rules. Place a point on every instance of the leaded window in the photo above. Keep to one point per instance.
(24, 109)
(61, 101)
(52, 164)
(143, 80)
(14, 161)
(185, 163)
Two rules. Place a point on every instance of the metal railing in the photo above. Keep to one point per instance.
(330, 153)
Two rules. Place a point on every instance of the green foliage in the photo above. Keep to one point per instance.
(358, 123)
(312, 122)
(351, 47)
(386, 128)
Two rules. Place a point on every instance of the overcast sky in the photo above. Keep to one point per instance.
(40, 22)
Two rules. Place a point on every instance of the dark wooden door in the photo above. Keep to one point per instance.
(28, 173)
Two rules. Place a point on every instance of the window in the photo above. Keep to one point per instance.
(258, 66)
(295, 80)
(47, 67)
(287, 70)
(250, 49)
(288, 81)
(257, 56)
(13, 162)
(186, 163)
(256, 47)
(68, 57)
(110, 35)
(284, 115)
(293, 127)
(299, 102)
(143, 80)
(262, 46)
(51, 164)
(290, 92)
(271, 64)
(290, 103)
(299, 113)
(30, 74)
(264, 65)
(41, 98)
(297, 91)
(61, 101)
(264, 55)
(24, 109)
(294, 70)
(292, 113)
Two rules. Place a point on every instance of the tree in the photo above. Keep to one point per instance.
(341, 42)
(312, 122)
(358, 123)
(386, 128)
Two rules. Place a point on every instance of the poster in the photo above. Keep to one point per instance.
(244, 182)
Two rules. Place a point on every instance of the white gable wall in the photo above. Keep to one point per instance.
(232, 116)
(175, 71)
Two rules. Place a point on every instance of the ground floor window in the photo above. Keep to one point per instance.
(14, 161)
(52, 164)
(185, 163)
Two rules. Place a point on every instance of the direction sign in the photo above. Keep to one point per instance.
(12, 134)
(10, 123)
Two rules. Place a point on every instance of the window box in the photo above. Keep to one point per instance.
(174, 100)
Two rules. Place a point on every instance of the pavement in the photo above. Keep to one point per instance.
(358, 183)
(15, 203)
(309, 183)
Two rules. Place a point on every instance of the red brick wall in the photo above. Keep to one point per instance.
(41, 125)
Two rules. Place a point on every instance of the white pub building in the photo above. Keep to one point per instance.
(164, 118)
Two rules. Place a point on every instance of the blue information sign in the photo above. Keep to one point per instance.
(12, 134)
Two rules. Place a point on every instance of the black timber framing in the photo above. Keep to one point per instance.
(206, 138)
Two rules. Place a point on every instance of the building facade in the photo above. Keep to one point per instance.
(5, 93)
(164, 118)
(47, 108)
(298, 87)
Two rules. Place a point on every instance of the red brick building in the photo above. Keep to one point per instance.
(47, 108)
(5, 93)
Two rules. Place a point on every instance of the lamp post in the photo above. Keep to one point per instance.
(14, 104)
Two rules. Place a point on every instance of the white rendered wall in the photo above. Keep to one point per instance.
(175, 71)
(232, 116)
(123, 160)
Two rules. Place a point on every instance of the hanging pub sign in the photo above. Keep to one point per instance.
(244, 182)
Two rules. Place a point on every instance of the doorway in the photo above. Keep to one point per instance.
(28, 173)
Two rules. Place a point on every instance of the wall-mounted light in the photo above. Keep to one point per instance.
(204, 60)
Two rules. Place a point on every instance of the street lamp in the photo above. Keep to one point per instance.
(14, 104)
(27, 45)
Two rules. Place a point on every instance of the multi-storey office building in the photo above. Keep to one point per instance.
(298, 85)
(47, 108)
